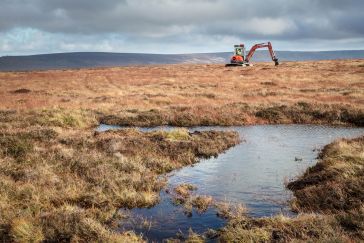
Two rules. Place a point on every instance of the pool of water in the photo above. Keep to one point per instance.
(253, 173)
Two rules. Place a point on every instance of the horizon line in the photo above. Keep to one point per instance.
(166, 54)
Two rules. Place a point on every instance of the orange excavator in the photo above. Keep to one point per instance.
(239, 58)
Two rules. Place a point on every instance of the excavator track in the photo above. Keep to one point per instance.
(238, 65)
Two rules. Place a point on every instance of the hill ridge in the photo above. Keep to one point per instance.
(74, 60)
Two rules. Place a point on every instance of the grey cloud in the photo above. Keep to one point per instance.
(137, 16)
(181, 21)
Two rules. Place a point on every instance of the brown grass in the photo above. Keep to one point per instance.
(61, 180)
(336, 183)
(328, 196)
(299, 92)
(183, 195)
(201, 203)
(184, 190)
(304, 228)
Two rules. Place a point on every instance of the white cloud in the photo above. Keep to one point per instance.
(268, 26)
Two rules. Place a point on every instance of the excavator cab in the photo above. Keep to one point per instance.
(238, 59)
(239, 50)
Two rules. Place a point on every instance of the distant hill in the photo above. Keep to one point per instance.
(102, 59)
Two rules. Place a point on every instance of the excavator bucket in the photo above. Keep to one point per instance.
(276, 61)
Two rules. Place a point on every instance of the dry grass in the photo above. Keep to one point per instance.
(328, 196)
(241, 114)
(334, 184)
(201, 203)
(304, 228)
(182, 194)
(299, 92)
(61, 180)
(184, 190)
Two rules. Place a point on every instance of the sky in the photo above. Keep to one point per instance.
(178, 26)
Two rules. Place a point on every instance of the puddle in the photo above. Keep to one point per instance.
(252, 173)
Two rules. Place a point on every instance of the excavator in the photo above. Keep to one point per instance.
(240, 59)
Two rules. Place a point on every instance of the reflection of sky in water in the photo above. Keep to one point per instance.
(252, 173)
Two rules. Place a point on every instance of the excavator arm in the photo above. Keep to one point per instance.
(262, 45)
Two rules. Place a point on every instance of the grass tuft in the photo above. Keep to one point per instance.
(336, 182)
(67, 118)
(178, 134)
(24, 231)
(65, 182)
(184, 190)
(201, 203)
(14, 146)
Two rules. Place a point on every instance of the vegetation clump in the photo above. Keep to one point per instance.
(335, 183)
(62, 181)
(66, 118)
(328, 198)
(21, 91)
(201, 203)
(184, 190)
(183, 195)
(241, 114)
(178, 134)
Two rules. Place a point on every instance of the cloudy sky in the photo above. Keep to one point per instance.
(177, 26)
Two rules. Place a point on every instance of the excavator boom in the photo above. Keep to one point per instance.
(262, 45)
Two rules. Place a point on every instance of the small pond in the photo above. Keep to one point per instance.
(252, 173)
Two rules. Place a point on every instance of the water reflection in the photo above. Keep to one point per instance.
(253, 173)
